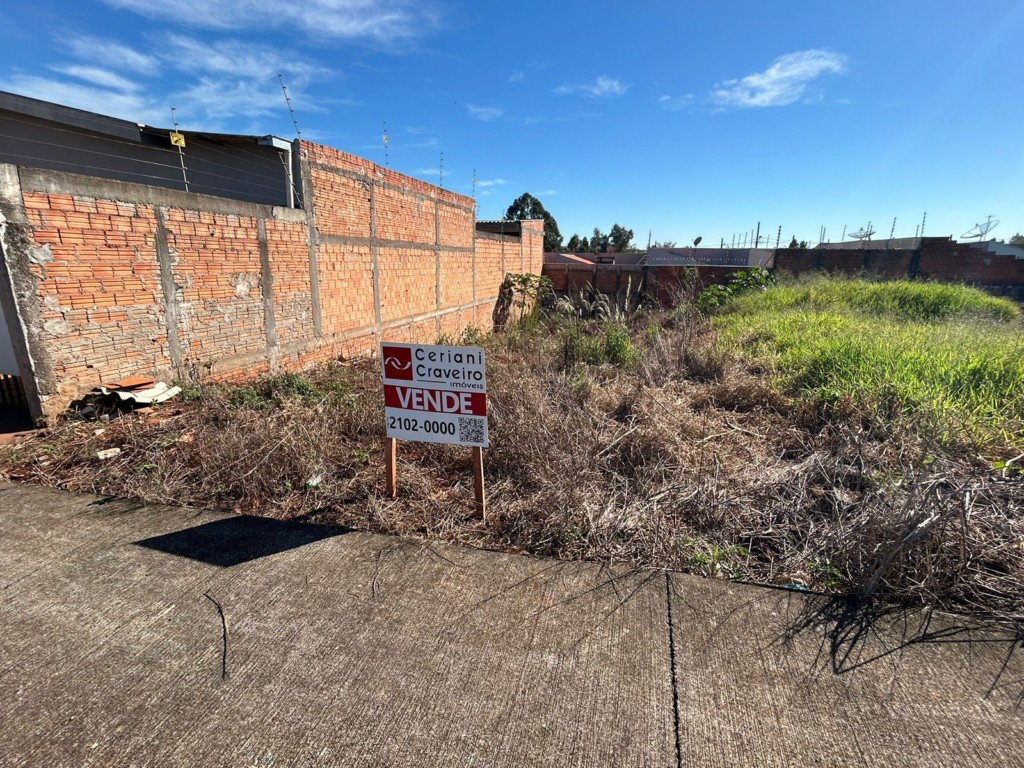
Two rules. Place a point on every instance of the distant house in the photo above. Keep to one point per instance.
(590, 259)
(712, 257)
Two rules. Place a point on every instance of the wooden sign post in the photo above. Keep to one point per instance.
(435, 394)
(478, 481)
(391, 462)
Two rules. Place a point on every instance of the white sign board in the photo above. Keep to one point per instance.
(435, 394)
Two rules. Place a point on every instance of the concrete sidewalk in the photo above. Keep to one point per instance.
(160, 636)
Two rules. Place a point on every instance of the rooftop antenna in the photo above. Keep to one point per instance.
(696, 241)
(474, 183)
(385, 138)
(979, 231)
(441, 173)
(288, 101)
(178, 140)
(649, 239)
(843, 237)
(893, 230)
(923, 218)
(863, 234)
(778, 237)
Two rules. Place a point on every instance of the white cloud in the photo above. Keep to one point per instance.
(234, 57)
(490, 183)
(211, 83)
(784, 82)
(136, 106)
(602, 87)
(484, 113)
(377, 20)
(222, 99)
(111, 54)
(675, 102)
(516, 77)
(98, 76)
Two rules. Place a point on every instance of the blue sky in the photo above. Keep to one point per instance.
(681, 119)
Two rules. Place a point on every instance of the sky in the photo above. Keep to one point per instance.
(673, 119)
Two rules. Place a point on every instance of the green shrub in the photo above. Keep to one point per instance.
(618, 347)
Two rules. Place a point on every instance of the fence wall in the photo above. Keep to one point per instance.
(109, 279)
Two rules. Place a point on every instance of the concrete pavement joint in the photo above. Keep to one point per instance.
(672, 668)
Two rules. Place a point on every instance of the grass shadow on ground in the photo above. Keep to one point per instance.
(858, 633)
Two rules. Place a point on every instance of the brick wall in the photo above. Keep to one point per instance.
(112, 279)
(937, 258)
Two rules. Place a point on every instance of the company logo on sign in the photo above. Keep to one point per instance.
(397, 363)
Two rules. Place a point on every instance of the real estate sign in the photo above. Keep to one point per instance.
(435, 394)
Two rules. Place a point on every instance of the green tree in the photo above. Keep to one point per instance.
(526, 206)
(575, 245)
(621, 239)
(599, 241)
(793, 243)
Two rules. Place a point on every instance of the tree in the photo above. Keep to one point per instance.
(575, 245)
(526, 206)
(599, 241)
(620, 238)
(793, 243)
(663, 244)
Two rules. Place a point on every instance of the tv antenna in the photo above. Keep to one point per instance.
(385, 140)
(288, 101)
(863, 234)
(980, 230)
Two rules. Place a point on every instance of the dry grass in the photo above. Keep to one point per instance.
(687, 460)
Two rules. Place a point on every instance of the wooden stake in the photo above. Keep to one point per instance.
(478, 481)
(391, 462)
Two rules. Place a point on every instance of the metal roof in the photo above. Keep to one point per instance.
(106, 125)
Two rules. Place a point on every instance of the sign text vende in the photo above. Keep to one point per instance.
(435, 400)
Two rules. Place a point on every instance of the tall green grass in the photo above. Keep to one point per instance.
(949, 358)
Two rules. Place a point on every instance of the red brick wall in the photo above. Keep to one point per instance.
(99, 292)
(937, 259)
(960, 262)
(393, 258)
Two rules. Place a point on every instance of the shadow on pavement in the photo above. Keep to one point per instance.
(235, 540)
(863, 632)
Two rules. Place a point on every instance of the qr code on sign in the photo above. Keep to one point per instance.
(471, 430)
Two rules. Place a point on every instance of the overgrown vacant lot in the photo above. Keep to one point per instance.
(841, 436)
